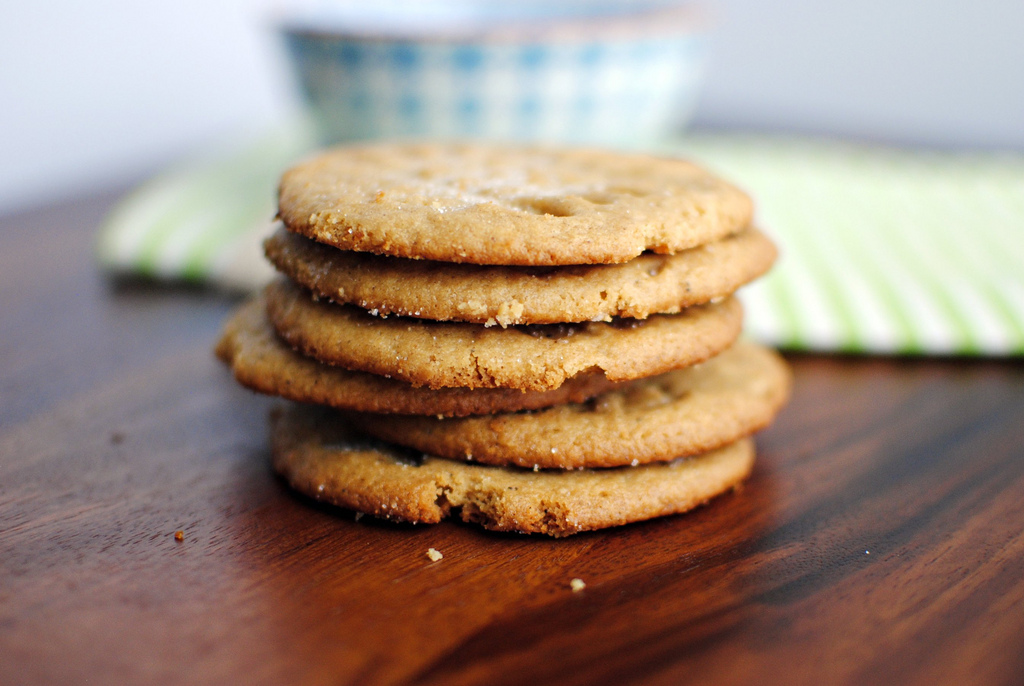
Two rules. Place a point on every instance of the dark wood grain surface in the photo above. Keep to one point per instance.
(879, 540)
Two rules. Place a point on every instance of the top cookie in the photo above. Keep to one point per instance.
(492, 204)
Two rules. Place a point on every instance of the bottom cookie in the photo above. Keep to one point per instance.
(322, 457)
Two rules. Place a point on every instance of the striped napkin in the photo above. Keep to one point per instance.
(204, 221)
(883, 250)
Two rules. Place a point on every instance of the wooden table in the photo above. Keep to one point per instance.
(879, 540)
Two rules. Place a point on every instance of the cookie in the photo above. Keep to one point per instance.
(523, 295)
(261, 362)
(679, 413)
(324, 458)
(494, 204)
(537, 358)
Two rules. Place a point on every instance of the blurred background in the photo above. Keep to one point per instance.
(101, 94)
(883, 142)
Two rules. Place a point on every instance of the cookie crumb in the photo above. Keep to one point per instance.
(179, 536)
(434, 554)
(577, 585)
(116, 438)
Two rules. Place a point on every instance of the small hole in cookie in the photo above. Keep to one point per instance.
(602, 198)
(556, 207)
(626, 190)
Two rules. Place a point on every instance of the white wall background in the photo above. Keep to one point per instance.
(947, 73)
(103, 92)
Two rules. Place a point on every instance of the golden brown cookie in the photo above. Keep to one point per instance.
(538, 358)
(321, 456)
(683, 412)
(523, 295)
(261, 362)
(495, 204)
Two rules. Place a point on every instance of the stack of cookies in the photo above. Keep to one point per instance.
(532, 339)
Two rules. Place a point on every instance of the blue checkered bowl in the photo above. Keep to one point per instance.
(611, 72)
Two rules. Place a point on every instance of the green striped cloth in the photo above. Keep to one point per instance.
(883, 251)
(204, 221)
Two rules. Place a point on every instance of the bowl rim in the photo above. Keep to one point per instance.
(654, 22)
